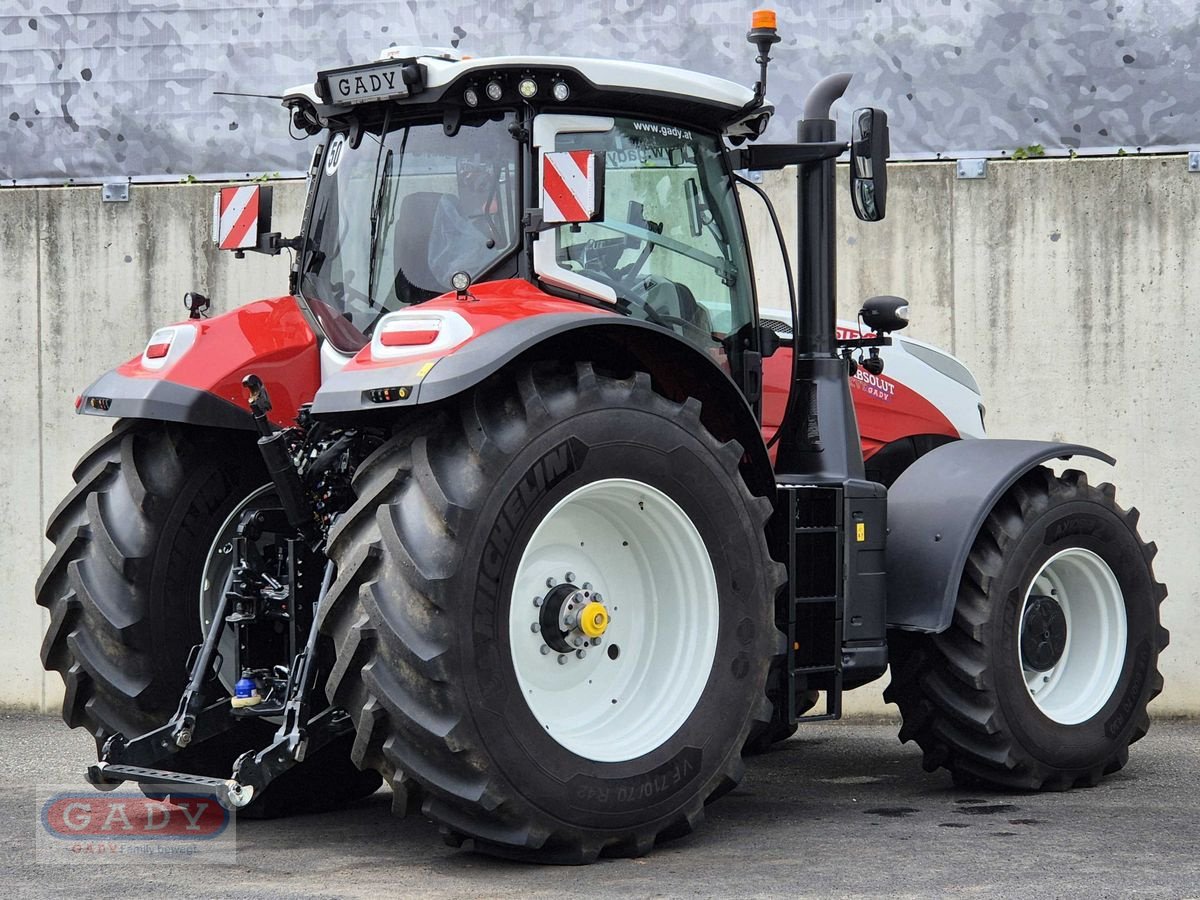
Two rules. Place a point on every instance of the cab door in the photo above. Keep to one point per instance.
(667, 243)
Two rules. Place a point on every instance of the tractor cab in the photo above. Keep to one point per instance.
(605, 183)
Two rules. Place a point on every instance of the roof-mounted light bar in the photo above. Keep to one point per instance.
(528, 87)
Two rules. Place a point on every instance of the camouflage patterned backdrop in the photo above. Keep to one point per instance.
(95, 88)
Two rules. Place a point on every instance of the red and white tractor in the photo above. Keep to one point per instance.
(524, 499)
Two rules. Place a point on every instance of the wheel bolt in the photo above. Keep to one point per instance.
(545, 650)
(550, 582)
(578, 642)
(580, 654)
(535, 627)
(595, 642)
(537, 601)
(587, 585)
(571, 577)
(562, 659)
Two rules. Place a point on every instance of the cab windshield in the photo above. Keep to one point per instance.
(401, 209)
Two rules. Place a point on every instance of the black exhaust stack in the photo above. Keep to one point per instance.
(819, 441)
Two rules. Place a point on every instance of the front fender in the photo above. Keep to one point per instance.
(935, 510)
(199, 381)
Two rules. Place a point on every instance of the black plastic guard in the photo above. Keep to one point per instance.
(121, 397)
(935, 510)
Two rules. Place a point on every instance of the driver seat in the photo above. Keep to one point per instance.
(415, 279)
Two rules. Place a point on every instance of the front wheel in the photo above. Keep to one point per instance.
(1043, 678)
(553, 615)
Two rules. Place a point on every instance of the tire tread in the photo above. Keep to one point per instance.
(943, 682)
(398, 682)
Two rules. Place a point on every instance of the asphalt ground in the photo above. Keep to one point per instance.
(840, 810)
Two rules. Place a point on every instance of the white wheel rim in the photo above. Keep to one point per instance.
(1084, 677)
(636, 548)
(218, 565)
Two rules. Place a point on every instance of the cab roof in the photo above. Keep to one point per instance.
(596, 85)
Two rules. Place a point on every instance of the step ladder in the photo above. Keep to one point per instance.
(815, 603)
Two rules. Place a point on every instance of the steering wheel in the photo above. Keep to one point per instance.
(651, 314)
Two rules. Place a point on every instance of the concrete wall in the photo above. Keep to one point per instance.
(1061, 283)
(82, 285)
(1065, 286)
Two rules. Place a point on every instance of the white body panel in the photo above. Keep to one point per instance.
(929, 371)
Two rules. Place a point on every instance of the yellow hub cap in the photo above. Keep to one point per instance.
(593, 619)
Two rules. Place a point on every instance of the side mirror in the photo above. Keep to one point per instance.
(885, 314)
(869, 150)
(572, 186)
(242, 218)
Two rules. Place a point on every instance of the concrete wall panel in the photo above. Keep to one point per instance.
(20, 456)
(1072, 285)
(1063, 285)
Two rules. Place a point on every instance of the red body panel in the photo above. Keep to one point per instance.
(270, 338)
(886, 409)
(493, 304)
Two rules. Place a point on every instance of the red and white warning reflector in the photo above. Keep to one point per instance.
(240, 215)
(572, 186)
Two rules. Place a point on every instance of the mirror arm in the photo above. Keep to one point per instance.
(271, 244)
(533, 223)
(861, 342)
(765, 157)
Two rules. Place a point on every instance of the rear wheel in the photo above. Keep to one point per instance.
(553, 615)
(1044, 676)
(133, 541)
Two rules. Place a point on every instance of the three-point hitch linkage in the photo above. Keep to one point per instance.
(270, 606)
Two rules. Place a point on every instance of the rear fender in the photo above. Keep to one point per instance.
(935, 511)
(199, 380)
(546, 328)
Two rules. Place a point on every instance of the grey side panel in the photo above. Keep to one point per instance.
(164, 401)
(936, 508)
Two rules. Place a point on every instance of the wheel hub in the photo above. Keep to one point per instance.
(1043, 633)
(593, 619)
(572, 618)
